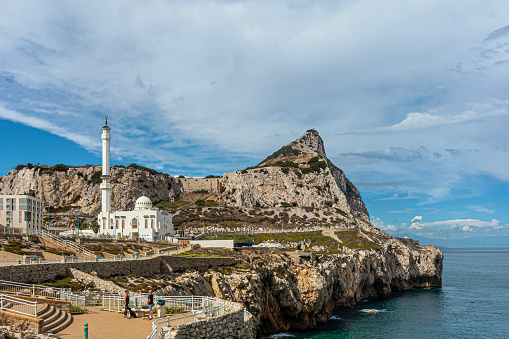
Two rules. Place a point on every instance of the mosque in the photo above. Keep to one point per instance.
(143, 222)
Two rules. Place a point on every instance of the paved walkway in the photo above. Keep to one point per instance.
(106, 325)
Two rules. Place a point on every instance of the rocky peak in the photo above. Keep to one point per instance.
(310, 142)
(298, 174)
(301, 150)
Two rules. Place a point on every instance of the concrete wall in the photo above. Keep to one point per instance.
(142, 267)
(212, 185)
(213, 243)
(235, 323)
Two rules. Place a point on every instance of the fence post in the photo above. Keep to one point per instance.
(33, 290)
(85, 331)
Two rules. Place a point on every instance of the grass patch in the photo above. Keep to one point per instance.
(351, 240)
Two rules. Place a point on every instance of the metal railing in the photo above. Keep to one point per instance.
(40, 291)
(16, 305)
(71, 245)
(69, 259)
(198, 308)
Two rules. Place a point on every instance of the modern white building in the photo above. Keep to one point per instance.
(143, 222)
(21, 213)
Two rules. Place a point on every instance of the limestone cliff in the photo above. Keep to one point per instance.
(61, 185)
(283, 292)
(300, 174)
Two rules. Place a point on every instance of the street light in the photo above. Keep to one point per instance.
(78, 220)
(26, 213)
(138, 228)
(48, 217)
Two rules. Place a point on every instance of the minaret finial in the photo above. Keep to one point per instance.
(106, 120)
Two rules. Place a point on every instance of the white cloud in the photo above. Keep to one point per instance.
(417, 218)
(378, 223)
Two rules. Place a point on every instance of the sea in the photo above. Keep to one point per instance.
(473, 302)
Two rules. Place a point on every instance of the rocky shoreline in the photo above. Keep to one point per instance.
(286, 292)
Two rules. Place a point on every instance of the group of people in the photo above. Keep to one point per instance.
(127, 309)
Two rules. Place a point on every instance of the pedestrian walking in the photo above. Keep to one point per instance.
(150, 304)
(127, 309)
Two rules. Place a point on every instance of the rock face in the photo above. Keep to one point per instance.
(283, 294)
(64, 186)
(300, 174)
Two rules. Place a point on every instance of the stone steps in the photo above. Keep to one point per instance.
(54, 319)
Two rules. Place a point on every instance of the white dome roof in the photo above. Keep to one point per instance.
(143, 203)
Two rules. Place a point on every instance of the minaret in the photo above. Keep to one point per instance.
(106, 185)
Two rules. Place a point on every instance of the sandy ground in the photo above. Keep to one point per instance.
(106, 325)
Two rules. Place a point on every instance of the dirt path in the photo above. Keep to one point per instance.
(106, 325)
(330, 233)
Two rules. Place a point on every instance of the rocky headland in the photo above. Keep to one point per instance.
(346, 258)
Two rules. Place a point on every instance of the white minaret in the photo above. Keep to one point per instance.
(106, 185)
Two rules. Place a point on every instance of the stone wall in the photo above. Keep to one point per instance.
(22, 321)
(212, 185)
(237, 322)
(142, 267)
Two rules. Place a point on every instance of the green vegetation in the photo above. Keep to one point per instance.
(201, 255)
(174, 310)
(206, 203)
(95, 178)
(64, 282)
(166, 205)
(77, 309)
(316, 164)
(16, 247)
(200, 191)
(191, 215)
(213, 176)
(146, 169)
(351, 240)
(285, 151)
(285, 204)
(60, 168)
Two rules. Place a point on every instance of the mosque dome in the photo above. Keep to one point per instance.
(143, 203)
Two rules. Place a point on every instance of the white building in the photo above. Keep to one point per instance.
(21, 213)
(142, 222)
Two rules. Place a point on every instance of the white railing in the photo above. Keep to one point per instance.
(73, 246)
(69, 259)
(16, 305)
(205, 308)
(33, 290)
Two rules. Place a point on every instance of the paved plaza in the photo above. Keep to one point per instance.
(107, 325)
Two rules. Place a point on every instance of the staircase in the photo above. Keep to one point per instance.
(55, 320)
(68, 245)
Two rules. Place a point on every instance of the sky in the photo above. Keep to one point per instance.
(410, 97)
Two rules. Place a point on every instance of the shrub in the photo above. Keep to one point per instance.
(285, 204)
(60, 168)
(146, 169)
(191, 215)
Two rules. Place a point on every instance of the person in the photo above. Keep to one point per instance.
(150, 304)
(127, 309)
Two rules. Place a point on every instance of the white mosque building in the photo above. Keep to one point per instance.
(143, 222)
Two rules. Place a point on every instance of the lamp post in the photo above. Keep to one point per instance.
(138, 228)
(26, 213)
(78, 220)
(114, 226)
(48, 217)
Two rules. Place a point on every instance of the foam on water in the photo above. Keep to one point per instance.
(371, 310)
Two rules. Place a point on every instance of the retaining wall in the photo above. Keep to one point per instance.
(142, 267)
(235, 323)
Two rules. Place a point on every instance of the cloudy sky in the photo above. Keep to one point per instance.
(410, 97)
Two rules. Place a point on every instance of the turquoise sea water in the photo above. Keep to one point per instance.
(472, 303)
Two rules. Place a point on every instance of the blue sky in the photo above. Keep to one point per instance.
(410, 97)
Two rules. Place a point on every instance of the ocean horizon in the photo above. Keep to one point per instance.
(472, 303)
